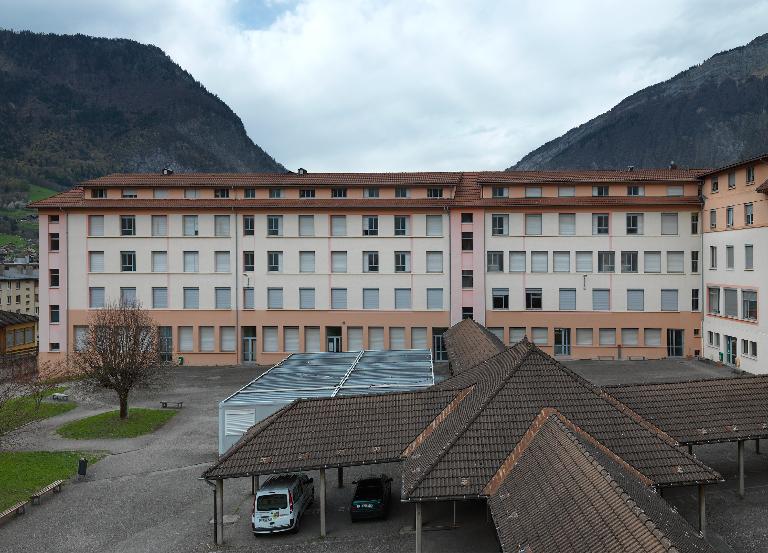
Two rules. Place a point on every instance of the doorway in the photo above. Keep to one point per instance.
(730, 350)
(333, 339)
(166, 343)
(439, 352)
(249, 344)
(562, 341)
(674, 342)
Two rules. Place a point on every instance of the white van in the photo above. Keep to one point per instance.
(281, 502)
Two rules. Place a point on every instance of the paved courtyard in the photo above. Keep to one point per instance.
(145, 495)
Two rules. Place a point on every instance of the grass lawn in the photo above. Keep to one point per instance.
(108, 425)
(6, 239)
(24, 472)
(39, 193)
(20, 411)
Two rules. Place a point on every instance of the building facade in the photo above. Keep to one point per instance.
(248, 268)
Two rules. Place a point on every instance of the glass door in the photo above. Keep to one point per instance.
(438, 345)
(166, 343)
(674, 342)
(249, 344)
(730, 350)
(562, 341)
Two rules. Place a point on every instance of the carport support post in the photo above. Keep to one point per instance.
(341, 477)
(255, 485)
(322, 503)
(417, 527)
(757, 446)
(740, 451)
(219, 522)
(702, 512)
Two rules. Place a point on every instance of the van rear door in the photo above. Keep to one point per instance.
(271, 507)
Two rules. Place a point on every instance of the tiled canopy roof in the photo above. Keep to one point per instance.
(8, 318)
(563, 493)
(702, 411)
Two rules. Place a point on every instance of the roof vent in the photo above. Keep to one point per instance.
(630, 168)
(302, 171)
(672, 165)
(167, 171)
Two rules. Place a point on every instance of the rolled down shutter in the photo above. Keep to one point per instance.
(375, 337)
(190, 225)
(434, 225)
(223, 298)
(652, 336)
(567, 224)
(191, 298)
(222, 262)
(516, 334)
(338, 262)
(567, 299)
(498, 332)
(561, 262)
(402, 298)
(355, 338)
(674, 190)
(206, 338)
(227, 338)
(370, 298)
(185, 338)
(97, 262)
(434, 298)
(607, 336)
(669, 223)
(248, 299)
(306, 225)
(159, 225)
(96, 225)
(97, 297)
(307, 262)
(635, 300)
(533, 224)
(517, 262)
(274, 298)
(159, 297)
(419, 337)
(583, 336)
(601, 300)
(338, 225)
(629, 336)
(731, 302)
(652, 262)
(238, 421)
(338, 298)
(584, 262)
(291, 338)
(312, 338)
(396, 337)
(675, 262)
(539, 262)
(434, 262)
(270, 339)
(81, 337)
(306, 298)
(221, 224)
(160, 262)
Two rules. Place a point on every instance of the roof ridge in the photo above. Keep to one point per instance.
(739, 376)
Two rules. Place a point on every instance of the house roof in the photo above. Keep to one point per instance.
(564, 492)
(702, 411)
(596, 175)
(469, 344)
(8, 318)
(763, 187)
(761, 157)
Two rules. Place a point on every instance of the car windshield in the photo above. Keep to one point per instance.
(272, 502)
(368, 490)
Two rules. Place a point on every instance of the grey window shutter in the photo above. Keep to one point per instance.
(338, 225)
(539, 262)
(207, 342)
(97, 262)
(160, 298)
(669, 223)
(96, 225)
(517, 262)
(306, 225)
(567, 299)
(418, 337)
(584, 262)
(675, 262)
(396, 337)
(731, 302)
(370, 298)
(635, 300)
(402, 298)
(652, 262)
(434, 298)
(270, 339)
(223, 298)
(434, 225)
(248, 300)
(533, 224)
(601, 300)
(338, 298)
(375, 337)
(338, 262)
(222, 262)
(307, 262)
(291, 339)
(227, 338)
(312, 338)
(567, 224)
(275, 298)
(669, 300)
(434, 262)
(561, 262)
(355, 338)
(185, 338)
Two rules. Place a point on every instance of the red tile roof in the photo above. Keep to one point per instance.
(763, 187)
(587, 176)
(761, 157)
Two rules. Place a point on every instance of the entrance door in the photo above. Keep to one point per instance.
(562, 341)
(249, 344)
(166, 343)
(333, 339)
(674, 342)
(438, 345)
(730, 350)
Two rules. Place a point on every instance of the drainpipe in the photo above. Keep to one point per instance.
(238, 337)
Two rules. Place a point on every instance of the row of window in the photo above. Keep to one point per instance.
(606, 261)
(748, 347)
(584, 336)
(569, 191)
(19, 337)
(730, 257)
(601, 224)
(274, 193)
(749, 179)
(749, 216)
(729, 306)
(601, 299)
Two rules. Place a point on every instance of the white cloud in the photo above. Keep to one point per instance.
(364, 85)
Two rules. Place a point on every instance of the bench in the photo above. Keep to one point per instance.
(58, 396)
(171, 404)
(13, 511)
(54, 487)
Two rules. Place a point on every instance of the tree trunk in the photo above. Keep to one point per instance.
(123, 407)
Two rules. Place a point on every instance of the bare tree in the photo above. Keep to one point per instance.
(16, 372)
(121, 351)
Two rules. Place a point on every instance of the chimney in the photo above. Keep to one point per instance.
(302, 171)
(167, 171)
(672, 165)
(630, 168)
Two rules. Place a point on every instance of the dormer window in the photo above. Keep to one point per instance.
(434, 192)
(160, 193)
(98, 193)
(371, 192)
(715, 185)
(275, 193)
(307, 193)
(500, 192)
(221, 193)
(129, 193)
(533, 191)
(191, 194)
(250, 193)
(750, 174)
(401, 192)
(601, 190)
(338, 193)
(635, 190)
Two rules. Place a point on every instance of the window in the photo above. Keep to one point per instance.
(191, 194)
(338, 225)
(128, 193)
(96, 225)
(533, 191)
(191, 262)
(221, 193)
(338, 192)
(401, 225)
(731, 180)
(54, 313)
(750, 174)
(189, 223)
(370, 225)
(338, 298)
(306, 298)
(467, 241)
(370, 262)
(749, 304)
(713, 299)
(98, 193)
(669, 223)
(601, 299)
(402, 262)
(466, 218)
(675, 262)
(249, 301)
(600, 223)
(695, 301)
(306, 225)
(695, 261)
(567, 299)
(634, 223)
(500, 298)
(185, 339)
(539, 335)
(434, 298)
(749, 257)
(249, 226)
(516, 333)
(401, 192)
(712, 218)
(674, 190)
(601, 190)
(434, 192)
(694, 223)
(338, 262)
(652, 262)
(307, 193)
(221, 262)
(566, 191)
(249, 261)
(729, 257)
(370, 298)
(729, 217)
(500, 192)
(275, 193)
(207, 342)
(54, 346)
(607, 336)
(96, 297)
(730, 302)
(495, 262)
(274, 262)
(533, 298)
(749, 214)
(53, 278)
(714, 184)
(402, 298)
(271, 343)
(127, 225)
(227, 338)
(274, 298)
(539, 262)
(306, 262)
(467, 312)
(159, 225)
(249, 193)
(713, 257)
(561, 262)
(635, 190)
(583, 262)
(274, 225)
(583, 336)
(533, 224)
(497, 331)
(128, 296)
(567, 224)
(499, 225)
(128, 261)
(629, 336)
(434, 225)
(628, 262)
(371, 192)
(223, 298)
(159, 262)
(191, 298)
(669, 300)
(159, 298)
(434, 262)
(81, 338)
(606, 262)
(467, 278)
(635, 300)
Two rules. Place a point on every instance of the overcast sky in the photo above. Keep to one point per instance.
(335, 85)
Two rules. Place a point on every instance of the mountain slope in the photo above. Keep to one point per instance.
(710, 115)
(74, 107)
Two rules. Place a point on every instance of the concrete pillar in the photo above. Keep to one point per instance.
(322, 503)
(740, 451)
(341, 477)
(690, 449)
(454, 514)
(417, 527)
(702, 511)
(757, 446)
(219, 522)
(255, 485)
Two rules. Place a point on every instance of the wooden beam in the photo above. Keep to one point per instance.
(341, 477)
(219, 522)
(740, 452)
(322, 503)
(702, 512)
(417, 527)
